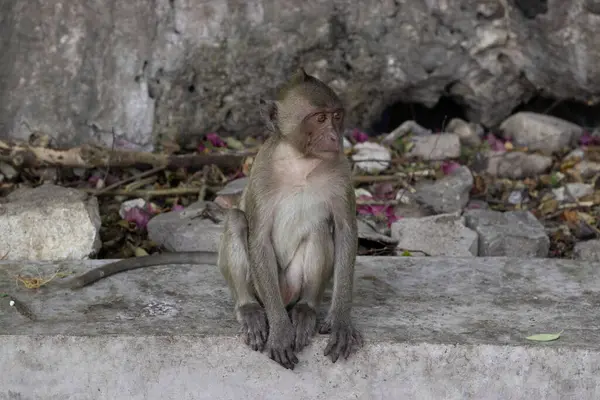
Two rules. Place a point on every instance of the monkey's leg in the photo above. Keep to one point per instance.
(316, 258)
(235, 267)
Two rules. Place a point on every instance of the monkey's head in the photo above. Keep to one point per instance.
(307, 114)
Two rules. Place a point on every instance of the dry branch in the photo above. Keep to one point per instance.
(89, 156)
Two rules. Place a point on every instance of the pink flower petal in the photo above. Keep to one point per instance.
(177, 207)
(587, 139)
(215, 140)
(495, 143)
(359, 136)
(139, 216)
(448, 167)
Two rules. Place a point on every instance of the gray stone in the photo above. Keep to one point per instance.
(405, 128)
(437, 235)
(435, 328)
(512, 233)
(516, 164)
(188, 230)
(49, 223)
(447, 195)
(540, 131)
(368, 232)
(234, 187)
(469, 133)
(442, 146)
(230, 195)
(588, 250)
(188, 67)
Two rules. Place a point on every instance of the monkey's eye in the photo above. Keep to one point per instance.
(321, 118)
(337, 115)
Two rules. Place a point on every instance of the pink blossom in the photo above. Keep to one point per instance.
(448, 167)
(177, 207)
(587, 139)
(215, 140)
(377, 210)
(139, 216)
(359, 136)
(495, 143)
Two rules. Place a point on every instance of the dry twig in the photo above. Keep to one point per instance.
(89, 156)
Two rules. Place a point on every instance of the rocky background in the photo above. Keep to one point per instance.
(139, 73)
(472, 124)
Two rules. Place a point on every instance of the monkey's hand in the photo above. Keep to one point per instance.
(344, 338)
(280, 344)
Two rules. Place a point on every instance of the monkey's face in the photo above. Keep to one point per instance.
(321, 131)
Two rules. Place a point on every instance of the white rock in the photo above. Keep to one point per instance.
(575, 189)
(49, 223)
(371, 151)
(129, 204)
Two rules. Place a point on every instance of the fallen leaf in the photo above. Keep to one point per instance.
(570, 216)
(3, 295)
(544, 337)
(548, 206)
(139, 252)
(233, 143)
(247, 165)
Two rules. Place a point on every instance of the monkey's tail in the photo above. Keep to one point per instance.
(128, 264)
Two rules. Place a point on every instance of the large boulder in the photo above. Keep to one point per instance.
(140, 72)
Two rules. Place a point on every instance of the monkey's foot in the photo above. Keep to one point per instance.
(304, 320)
(254, 325)
(344, 339)
(281, 346)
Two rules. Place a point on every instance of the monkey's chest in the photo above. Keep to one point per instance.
(301, 215)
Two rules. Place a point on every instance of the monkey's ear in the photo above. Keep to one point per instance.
(268, 113)
(300, 76)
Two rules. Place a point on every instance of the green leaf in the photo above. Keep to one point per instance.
(3, 294)
(233, 143)
(139, 252)
(406, 253)
(544, 337)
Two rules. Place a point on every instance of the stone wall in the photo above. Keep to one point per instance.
(141, 71)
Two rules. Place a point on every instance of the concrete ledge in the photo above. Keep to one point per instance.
(436, 329)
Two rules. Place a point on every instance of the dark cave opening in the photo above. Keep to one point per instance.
(580, 113)
(434, 118)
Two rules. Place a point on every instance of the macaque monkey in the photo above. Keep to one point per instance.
(294, 230)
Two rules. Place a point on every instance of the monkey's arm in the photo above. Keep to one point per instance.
(128, 264)
(344, 338)
(265, 276)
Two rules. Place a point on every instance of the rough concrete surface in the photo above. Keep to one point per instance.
(435, 328)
